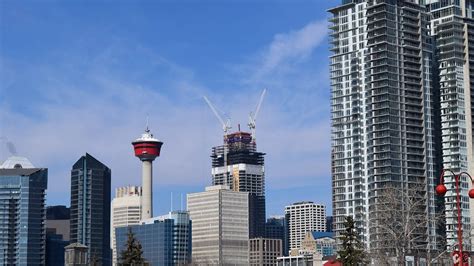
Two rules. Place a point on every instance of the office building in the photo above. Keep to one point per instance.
(90, 208)
(264, 251)
(57, 234)
(220, 231)
(329, 224)
(165, 240)
(55, 249)
(302, 217)
(155, 237)
(126, 210)
(300, 260)
(22, 212)
(383, 106)
(182, 226)
(240, 166)
(58, 221)
(277, 228)
(452, 27)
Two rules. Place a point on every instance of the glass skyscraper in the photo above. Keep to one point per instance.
(22, 215)
(90, 208)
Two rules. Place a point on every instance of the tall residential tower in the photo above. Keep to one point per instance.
(452, 25)
(382, 112)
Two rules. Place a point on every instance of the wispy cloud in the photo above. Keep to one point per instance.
(98, 105)
(288, 49)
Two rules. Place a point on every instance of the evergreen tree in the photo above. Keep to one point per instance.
(132, 255)
(352, 252)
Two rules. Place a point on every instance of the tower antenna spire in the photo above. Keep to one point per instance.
(147, 128)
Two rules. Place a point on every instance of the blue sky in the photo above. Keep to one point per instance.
(81, 76)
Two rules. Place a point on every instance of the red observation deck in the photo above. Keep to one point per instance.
(147, 148)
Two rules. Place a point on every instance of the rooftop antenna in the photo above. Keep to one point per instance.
(171, 207)
(226, 126)
(147, 128)
(182, 209)
(253, 117)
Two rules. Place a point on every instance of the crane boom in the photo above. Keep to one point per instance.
(253, 116)
(225, 125)
(259, 104)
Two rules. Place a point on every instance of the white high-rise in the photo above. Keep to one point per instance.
(126, 210)
(382, 112)
(303, 217)
(220, 226)
(452, 25)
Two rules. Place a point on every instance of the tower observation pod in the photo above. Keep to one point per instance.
(147, 148)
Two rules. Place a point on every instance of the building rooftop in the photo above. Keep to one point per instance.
(317, 234)
(217, 187)
(19, 171)
(15, 162)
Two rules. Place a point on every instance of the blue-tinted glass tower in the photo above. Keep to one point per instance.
(22, 215)
(156, 239)
(276, 228)
(165, 240)
(90, 208)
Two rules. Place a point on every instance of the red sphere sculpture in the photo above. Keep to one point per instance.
(471, 193)
(441, 190)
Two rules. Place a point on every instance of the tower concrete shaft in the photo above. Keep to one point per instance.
(147, 189)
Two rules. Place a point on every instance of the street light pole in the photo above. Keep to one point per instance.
(441, 191)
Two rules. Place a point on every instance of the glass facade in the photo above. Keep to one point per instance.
(55, 249)
(276, 228)
(90, 208)
(156, 239)
(22, 216)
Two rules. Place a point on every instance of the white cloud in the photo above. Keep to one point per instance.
(92, 107)
(291, 47)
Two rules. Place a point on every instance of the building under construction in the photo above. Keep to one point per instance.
(238, 165)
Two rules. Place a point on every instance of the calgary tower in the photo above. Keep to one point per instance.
(147, 148)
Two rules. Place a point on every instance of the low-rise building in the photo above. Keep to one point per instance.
(264, 251)
(165, 240)
(323, 242)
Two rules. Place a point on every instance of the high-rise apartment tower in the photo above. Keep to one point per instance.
(452, 26)
(303, 217)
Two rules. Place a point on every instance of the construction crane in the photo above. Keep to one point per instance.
(226, 126)
(253, 116)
